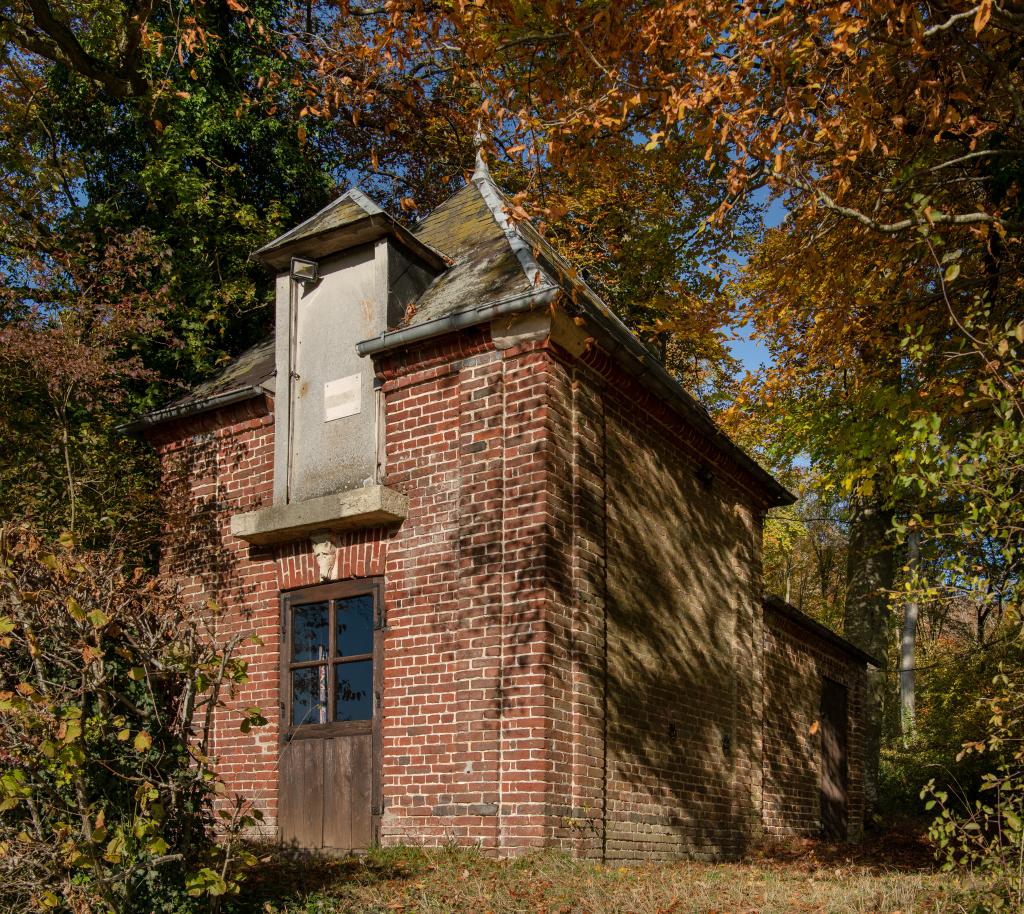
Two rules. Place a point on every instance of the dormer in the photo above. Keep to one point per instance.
(345, 274)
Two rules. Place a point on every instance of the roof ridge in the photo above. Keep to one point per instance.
(494, 199)
(357, 196)
(566, 275)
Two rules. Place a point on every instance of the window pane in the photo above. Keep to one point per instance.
(309, 632)
(354, 618)
(309, 695)
(353, 690)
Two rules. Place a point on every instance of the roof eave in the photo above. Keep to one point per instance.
(788, 610)
(191, 408)
(631, 354)
(621, 341)
(638, 361)
(277, 255)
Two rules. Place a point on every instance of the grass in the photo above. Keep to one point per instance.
(801, 877)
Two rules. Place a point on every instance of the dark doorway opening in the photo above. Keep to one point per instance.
(833, 773)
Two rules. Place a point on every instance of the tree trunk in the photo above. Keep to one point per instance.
(869, 575)
(908, 711)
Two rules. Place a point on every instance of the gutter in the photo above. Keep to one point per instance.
(516, 304)
(616, 338)
(192, 408)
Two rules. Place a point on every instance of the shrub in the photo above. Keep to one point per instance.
(108, 688)
(986, 834)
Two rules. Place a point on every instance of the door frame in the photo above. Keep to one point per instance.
(335, 590)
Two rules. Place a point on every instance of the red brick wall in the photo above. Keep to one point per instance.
(217, 465)
(795, 663)
(466, 648)
(661, 614)
(467, 725)
(573, 618)
(482, 722)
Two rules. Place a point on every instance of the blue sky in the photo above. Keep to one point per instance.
(753, 355)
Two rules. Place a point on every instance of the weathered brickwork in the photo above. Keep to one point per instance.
(795, 663)
(215, 466)
(667, 610)
(574, 641)
(466, 651)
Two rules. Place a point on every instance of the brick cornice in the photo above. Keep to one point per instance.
(217, 420)
(434, 353)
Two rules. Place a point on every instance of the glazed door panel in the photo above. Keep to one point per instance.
(330, 753)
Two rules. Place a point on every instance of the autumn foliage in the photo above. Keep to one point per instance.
(107, 694)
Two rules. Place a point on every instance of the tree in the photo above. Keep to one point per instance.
(137, 131)
(70, 343)
(805, 548)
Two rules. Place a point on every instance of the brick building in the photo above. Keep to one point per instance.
(505, 571)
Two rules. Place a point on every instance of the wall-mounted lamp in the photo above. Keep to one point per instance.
(304, 271)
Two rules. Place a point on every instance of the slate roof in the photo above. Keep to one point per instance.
(347, 209)
(484, 267)
(350, 220)
(253, 368)
(481, 259)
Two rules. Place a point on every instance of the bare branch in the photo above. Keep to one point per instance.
(888, 228)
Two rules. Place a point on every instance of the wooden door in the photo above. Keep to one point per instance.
(833, 770)
(329, 781)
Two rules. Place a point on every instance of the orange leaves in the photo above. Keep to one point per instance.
(556, 210)
(838, 84)
(982, 16)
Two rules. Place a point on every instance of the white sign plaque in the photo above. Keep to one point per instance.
(342, 397)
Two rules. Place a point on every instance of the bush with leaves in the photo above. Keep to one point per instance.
(109, 686)
(986, 834)
(967, 465)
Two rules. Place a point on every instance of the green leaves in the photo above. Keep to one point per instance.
(206, 882)
(985, 835)
(252, 717)
(101, 768)
(75, 610)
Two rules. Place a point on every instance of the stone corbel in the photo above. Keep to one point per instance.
(325, 551)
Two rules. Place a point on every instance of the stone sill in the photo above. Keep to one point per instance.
(370, 506)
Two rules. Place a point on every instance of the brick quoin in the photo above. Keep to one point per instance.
(575, 653)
